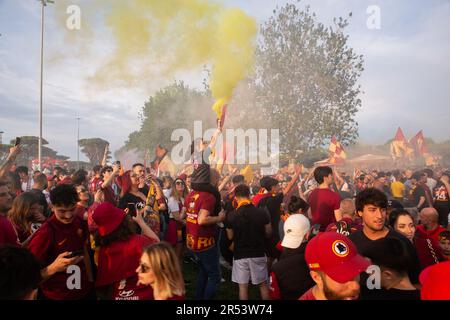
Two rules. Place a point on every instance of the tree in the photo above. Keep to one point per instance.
(175, 106)
(306, 80)
(29, 150)
(94, 149)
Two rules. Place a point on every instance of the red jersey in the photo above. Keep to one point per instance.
(274, 288)
(433, 234)
(120, 273)
(199, 238)
(109, 194)
(257, 198)
(80, 211)
(66, 180)
(91, 223)
(95, 184)
(52, 239)
(308, 295)
(323, 203)
(8, 234)
(345, 227)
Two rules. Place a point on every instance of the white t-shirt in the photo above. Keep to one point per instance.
(26, 186)
(431, 183)
(167, 193)
(172, 203)
(345, 187)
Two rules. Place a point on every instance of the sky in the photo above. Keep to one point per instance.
(405, 81)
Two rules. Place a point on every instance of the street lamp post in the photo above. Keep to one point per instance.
(78, 142)
(44, 3)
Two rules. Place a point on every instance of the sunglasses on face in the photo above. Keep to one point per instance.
(179, 183)
(82, 190)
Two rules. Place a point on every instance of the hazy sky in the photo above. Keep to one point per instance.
(405, 82)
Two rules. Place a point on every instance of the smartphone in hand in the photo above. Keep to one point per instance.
(76, 253)
(131, 209)
(18, 140)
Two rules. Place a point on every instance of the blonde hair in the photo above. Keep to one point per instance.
(165, 265)
(176, 194)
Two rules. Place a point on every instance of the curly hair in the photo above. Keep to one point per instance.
(371, 196)
(64, 194)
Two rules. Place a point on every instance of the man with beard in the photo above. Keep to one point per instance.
(371, 205)
(335, 266)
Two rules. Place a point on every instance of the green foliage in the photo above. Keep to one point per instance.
(175, 106)
(306, 80)
(94, 149)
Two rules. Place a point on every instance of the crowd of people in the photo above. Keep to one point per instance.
(119, 233)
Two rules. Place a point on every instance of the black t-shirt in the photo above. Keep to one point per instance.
(129, 198)
(391, 294)
(248, 225)
(273, 206)
(418, 192)
(144, 190)
(440, 194)
(361, 242)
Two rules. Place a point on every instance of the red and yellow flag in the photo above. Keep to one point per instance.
(337, 153)
(400, 148)
(418, 144)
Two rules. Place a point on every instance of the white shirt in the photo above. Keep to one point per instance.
(172, 203)
(431, 183)
(26, 186)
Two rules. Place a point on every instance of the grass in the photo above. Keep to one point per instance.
(228, 290)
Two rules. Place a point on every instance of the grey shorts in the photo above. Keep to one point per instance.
(250, 268)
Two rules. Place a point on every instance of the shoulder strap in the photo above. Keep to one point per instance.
(433, 252)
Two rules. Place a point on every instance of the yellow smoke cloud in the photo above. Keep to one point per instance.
(156, 39)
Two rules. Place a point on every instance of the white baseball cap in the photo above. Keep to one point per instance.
(295, 229)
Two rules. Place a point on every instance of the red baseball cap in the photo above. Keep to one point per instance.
(107, 218)
(336, 256)
(435, 281)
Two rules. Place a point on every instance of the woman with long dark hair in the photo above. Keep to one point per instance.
(427, 249)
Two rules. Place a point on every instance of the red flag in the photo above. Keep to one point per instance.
(337, 153)
(418, 144)
(222, 118)
(399, 136)
(400, 148)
